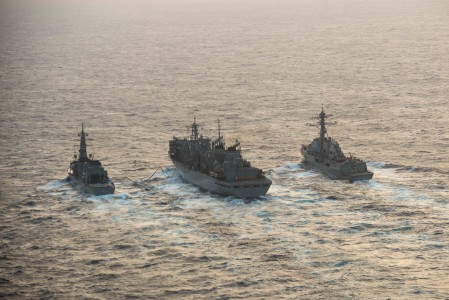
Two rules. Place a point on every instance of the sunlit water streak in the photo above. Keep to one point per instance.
(325, 238)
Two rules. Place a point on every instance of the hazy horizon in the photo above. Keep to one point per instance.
(137, 72)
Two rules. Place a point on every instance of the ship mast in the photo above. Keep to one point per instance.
(322, 125)
(218, 141)
(194, 133)
(219, 131)
(323, 130)
(83, 146)
(220, 137)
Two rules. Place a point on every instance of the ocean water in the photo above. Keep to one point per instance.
(137, 72)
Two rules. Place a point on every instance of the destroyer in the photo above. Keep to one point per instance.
(213, 167)
(325, 154)
(88, 173)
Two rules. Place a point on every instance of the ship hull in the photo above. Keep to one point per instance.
(93, 189)
(334, 173)
(251, 188)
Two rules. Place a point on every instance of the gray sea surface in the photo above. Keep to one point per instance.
(137, 72)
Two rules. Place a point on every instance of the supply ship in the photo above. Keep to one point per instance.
(88, 173)
(210, 165)
(324, 153)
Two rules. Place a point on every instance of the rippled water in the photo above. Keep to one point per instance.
(137, 72)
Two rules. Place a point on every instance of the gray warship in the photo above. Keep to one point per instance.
(324, 153)
(88, 173)
(210, 165)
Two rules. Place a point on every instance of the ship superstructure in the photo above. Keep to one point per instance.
(325, 154)
(210, 165)
(88, 173)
